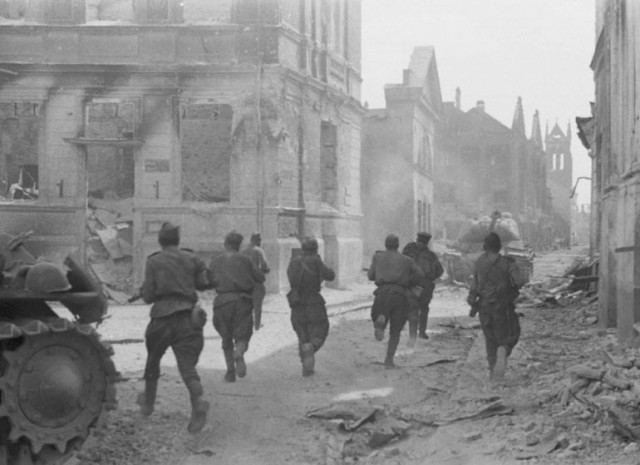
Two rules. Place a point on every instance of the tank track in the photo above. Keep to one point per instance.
(57, 381)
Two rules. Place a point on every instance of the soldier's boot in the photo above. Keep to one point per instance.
(230, 375)
(394, 339)
(422, 329)
(501, 364)
(413, 334)
(238, 357)
(147, 398)
(199, 411)
(308, 359)
(379, 325)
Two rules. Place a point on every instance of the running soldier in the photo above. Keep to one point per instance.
(496, 281)
(394, 274)
(308, 312)
(259, 259)
(172, 277)
(430, 265)
(234, 278)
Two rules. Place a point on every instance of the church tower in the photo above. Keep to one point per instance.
(560, 172)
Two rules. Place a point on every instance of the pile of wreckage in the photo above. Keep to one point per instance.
(579, 284)
(110, 245)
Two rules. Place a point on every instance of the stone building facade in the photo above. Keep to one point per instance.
(483, 165)
(216, 115)
(615, 147)
(398, 155)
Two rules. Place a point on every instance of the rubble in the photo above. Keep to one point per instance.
(110, 245)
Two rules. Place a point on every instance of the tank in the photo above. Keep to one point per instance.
(460, 258)
(57, 379)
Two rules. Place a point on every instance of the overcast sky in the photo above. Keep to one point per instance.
(494, 50)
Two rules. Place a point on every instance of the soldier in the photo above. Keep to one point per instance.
(394, 274)
(234, 278)
(172, 277)
(259, 259)
(430, 265)
(496, 280)
(308, 313)
(411, 250)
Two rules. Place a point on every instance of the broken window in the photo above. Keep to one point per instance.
(19, 134)
(329, 163)
(110, 10)
(206, 137)
(12, 9)
(110, 168)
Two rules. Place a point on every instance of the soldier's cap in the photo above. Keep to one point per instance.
(255, 236)
(233, 239)
(392, 242)
(424, 237)
(169, 232)
(492, 242)
(310, 245)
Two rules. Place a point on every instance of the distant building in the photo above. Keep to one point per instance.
(216, 115)
(560, 173)
(398, 155)
(483, 165)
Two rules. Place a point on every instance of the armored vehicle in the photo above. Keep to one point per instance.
(57, 378)
(468, 247)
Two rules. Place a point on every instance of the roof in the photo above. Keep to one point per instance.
(424, 73)
(486, 123)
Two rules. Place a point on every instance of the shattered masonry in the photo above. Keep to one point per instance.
(205, 117)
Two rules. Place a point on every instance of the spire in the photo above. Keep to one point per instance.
(546, 130)
(536, 133)
(458, 97)
(518, 119)
(569, 132)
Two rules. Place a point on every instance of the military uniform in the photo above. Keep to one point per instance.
(259, 259)
(394, 274)
(234, 277)
(172, 277)
(430, 265)
(496, 280)
(308, 312)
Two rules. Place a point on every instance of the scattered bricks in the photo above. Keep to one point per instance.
(631, 448)
(531, 439)
(616, 382)
(576, 445)
(582, 371)
(530, 426)
(472, 436)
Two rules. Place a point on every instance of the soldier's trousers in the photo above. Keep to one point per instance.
(395, 308)
(185, 339)
(500, 326)
(311, 324)
(234, 322)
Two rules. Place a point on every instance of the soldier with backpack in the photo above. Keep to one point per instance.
(496, 281)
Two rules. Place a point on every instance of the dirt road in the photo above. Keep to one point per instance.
(420, 407)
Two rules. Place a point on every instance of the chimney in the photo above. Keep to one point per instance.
(458, 95)
(480, 105)
(406, 77)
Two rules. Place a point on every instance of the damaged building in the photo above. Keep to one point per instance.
(482, 165)
(397, 155)
(612, 138)
(118, 115)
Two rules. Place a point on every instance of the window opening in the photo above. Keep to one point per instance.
(206, 138)
(329, 163)
(19, 135)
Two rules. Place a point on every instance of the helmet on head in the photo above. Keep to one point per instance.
(46, 277)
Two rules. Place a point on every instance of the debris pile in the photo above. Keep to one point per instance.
(110, 245)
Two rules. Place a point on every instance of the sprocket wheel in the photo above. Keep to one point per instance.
(54, 387)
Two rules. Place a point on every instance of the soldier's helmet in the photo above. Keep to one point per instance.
(46, 277)
(310, 245)
(169, 234)
(492, 242)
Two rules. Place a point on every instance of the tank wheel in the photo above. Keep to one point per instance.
(53, 389)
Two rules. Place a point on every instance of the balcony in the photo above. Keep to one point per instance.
(128, 44)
